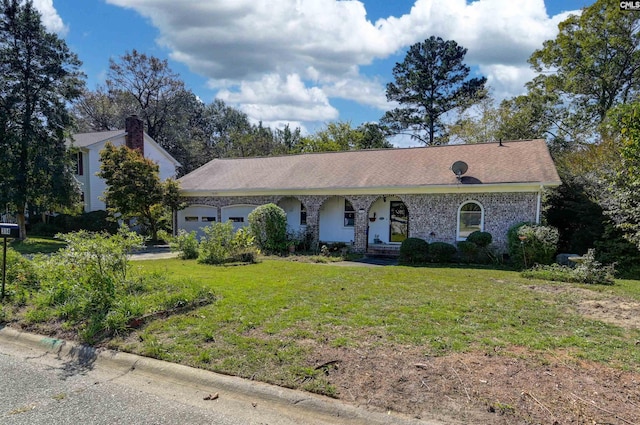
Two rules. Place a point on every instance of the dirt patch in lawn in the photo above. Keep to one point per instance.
(474, 388)
(512, 386)
(598, 306)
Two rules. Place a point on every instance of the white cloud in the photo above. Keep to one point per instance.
(50, 18)
(283, 60)
(274, 97)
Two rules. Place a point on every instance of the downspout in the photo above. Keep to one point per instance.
(539, 205)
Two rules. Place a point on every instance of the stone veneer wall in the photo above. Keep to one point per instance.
(432, 217)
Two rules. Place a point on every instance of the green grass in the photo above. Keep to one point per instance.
(37, 245)
(268, 316)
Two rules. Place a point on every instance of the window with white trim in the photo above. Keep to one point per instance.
(470, 219)
(349, 214)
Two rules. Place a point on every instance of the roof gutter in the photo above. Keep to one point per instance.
(387, 190)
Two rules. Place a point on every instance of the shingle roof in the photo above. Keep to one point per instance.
(488, 163)
(82, 140)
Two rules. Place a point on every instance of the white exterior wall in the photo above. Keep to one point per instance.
(292, 207)
(332, 228)
(381, 224)
(94, 187)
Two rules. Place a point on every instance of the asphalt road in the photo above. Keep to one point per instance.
(45, 381)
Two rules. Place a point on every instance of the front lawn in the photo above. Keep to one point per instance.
(269, 316)
(486, 346)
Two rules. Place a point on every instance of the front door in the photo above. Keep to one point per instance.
(399, 221)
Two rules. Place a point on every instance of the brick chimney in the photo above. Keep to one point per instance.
(134, 137)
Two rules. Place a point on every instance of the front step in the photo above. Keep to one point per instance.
(383, 251)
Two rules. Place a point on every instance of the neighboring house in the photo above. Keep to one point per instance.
(378, 198)
(89, 146)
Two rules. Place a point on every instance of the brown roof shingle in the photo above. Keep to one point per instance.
(489, 163)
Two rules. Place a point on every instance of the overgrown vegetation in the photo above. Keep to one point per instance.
(90, 287)
(530, 244)
(588, 271)
(220, 244)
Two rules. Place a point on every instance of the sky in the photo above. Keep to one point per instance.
(305, 62)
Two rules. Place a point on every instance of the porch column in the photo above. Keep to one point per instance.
(313, 221)
(360, 230)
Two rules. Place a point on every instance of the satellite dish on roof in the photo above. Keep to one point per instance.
(459, 168)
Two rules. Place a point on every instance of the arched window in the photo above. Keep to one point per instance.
(470, 219)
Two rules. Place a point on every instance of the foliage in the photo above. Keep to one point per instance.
(221, 245)
(134, 189)
(588, 271)
(468, 251)
(430, 82)
(186, 243)
(21, 276)
(340, 136)
(413, 251)
(481, 239)
(531, 244)
(268, 224)
(622, 198)
(593, 64)
(81, 281)
(37, 245)
(39, 76)
(441, 252)
(612, 247)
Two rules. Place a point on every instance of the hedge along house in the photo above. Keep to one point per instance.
(375, 199)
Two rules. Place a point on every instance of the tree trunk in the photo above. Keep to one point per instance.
(22, 224)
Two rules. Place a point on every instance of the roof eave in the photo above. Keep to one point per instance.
(390, 190)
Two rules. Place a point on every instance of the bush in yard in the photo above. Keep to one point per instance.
(531, 244)
(80, 282)
(481, 239)
(268, 224)
(413, 251)
(589, 271)
(186, 243)
(21, 277)
(468, 251)
(221, 245)
(441, 252)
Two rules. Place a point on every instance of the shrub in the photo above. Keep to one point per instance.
(468, 251)
(221, 245)
(94, 221)
(268, 224)
(186, 243)
(413, 251)
(215, 245)
(441, 252)
(589, 271)
(538, 245)
(481, 239)
(80, 282)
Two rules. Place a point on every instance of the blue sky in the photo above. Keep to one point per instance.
(304, 62)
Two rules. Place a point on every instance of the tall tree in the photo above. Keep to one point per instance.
(39, 75)
(622, 199)
(134, 189)
(151, 83)
(431, 81)
(592, 65)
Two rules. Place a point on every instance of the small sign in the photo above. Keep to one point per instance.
(630, 5)
(5, 230)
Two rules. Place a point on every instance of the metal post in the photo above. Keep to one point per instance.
(4, 267)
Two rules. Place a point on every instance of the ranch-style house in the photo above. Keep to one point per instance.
(377, 198)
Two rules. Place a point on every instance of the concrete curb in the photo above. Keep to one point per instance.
(125, 362)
